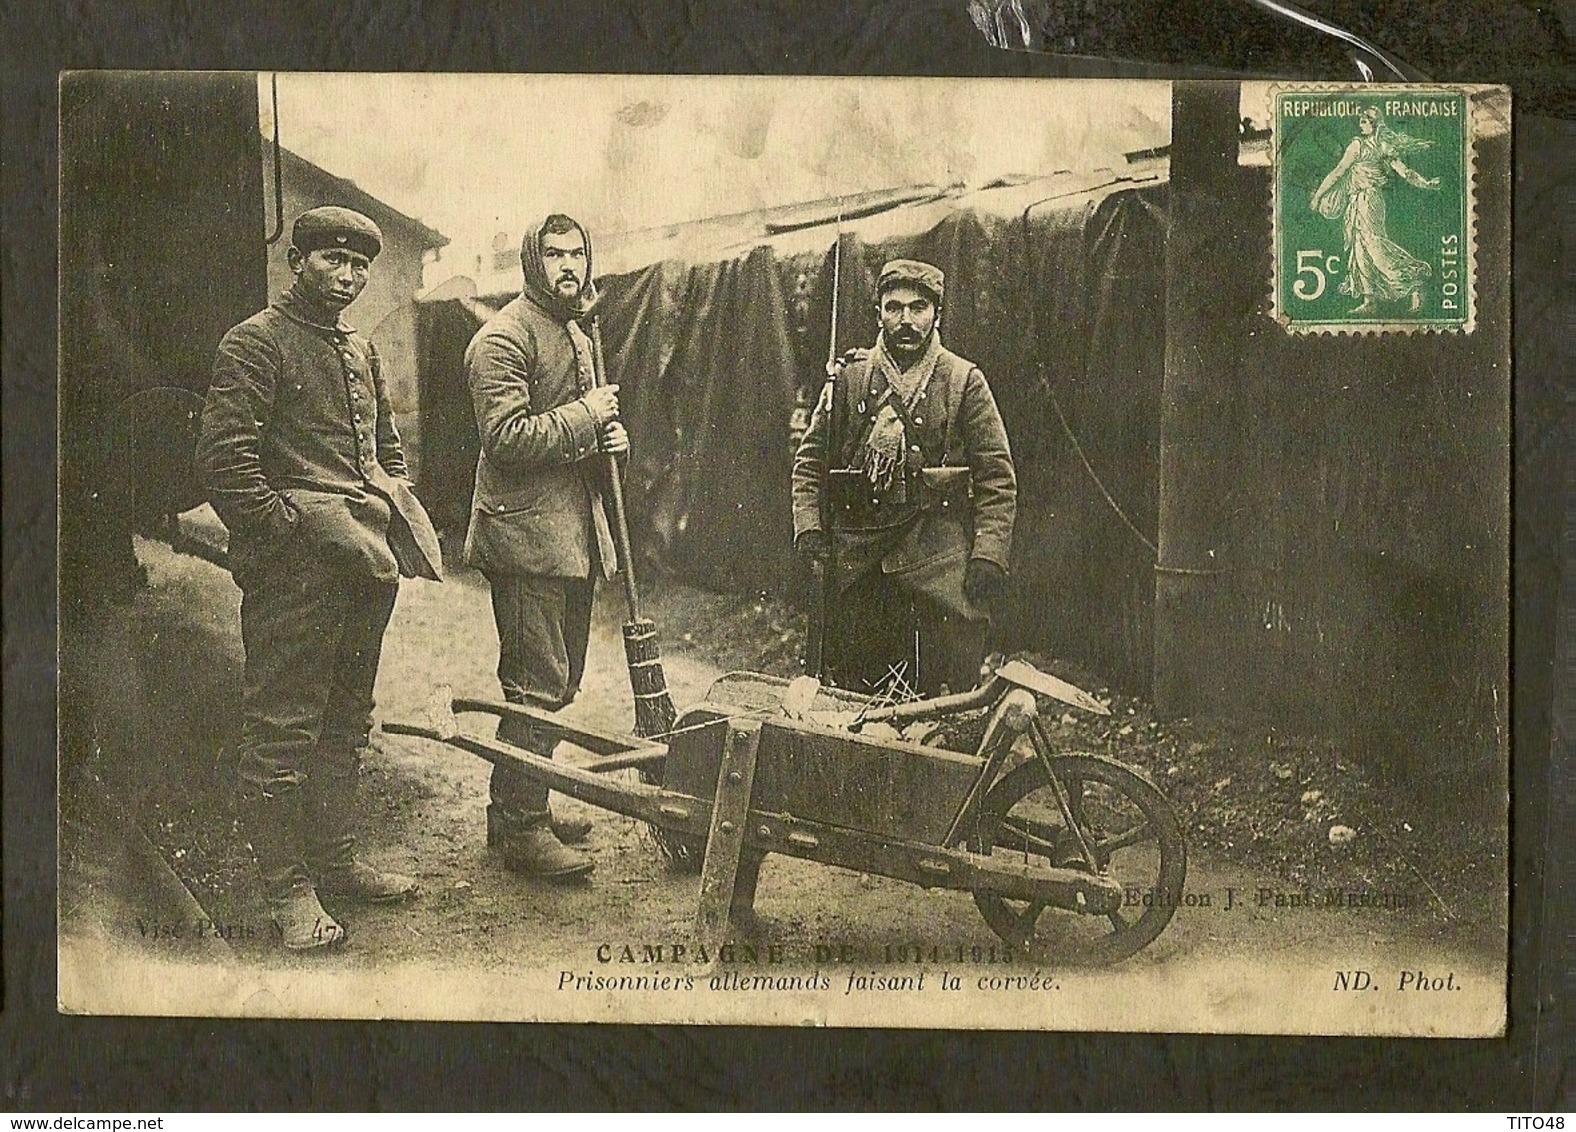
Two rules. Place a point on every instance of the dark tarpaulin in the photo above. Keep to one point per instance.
(450, 444)
(640, 319)
(709, 356)
(714, 422)
(157, 173)
(1364, 519)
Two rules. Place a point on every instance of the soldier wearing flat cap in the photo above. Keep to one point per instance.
(299, 455)
(904, 498)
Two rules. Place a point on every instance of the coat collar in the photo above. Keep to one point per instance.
(314, 315)
(871, 383)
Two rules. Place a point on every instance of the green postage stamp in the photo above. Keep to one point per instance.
(1372, 209)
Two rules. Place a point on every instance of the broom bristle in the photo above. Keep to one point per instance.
(654, 711)
(655, 716)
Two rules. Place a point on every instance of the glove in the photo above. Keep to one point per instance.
(984, 582)
(811, 549)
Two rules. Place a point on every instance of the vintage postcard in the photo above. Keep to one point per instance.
(830, 552)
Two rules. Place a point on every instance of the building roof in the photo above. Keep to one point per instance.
(347, 193)
(813, 226)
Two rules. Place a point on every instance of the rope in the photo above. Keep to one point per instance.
(1180, 571)
(1095, 476)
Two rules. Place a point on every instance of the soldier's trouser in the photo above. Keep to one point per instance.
(882, 627)
(544, 625)
(313, 639)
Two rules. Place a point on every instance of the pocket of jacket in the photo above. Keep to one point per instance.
(503, 500)
(948, 484)
(348, 532)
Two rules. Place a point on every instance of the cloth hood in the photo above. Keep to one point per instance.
(540, 291)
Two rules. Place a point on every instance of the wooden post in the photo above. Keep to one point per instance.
(720, 871)
(1192, 637)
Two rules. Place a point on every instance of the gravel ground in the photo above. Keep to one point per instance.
(1255, 802)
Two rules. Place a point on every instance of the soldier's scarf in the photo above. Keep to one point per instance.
(886, 448)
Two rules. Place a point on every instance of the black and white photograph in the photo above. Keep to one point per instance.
(785, 551)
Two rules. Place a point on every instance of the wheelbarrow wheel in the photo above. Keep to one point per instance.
(1130, 833)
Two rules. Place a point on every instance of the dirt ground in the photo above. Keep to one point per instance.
(1259, 814)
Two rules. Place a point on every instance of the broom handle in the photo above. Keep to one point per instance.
(626, 560)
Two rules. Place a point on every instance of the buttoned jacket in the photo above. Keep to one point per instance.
(537, 507)
(960, 497)
(298, 451)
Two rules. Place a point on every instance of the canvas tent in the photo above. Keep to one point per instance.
(712, 330)
(1358, 564)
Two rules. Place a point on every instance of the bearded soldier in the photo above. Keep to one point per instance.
(538, 530)
(904, 497)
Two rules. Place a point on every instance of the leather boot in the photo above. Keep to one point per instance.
(331, 848)
(273, 824)
(571, 831)
(527, 846)
(533, 795)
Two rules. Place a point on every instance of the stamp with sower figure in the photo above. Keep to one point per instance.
(1373, 209)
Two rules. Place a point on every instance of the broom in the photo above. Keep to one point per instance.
(654, 711)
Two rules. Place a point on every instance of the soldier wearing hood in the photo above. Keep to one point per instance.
(538, 528)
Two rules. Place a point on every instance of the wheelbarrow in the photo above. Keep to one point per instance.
(765, 765)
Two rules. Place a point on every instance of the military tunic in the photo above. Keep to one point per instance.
(898, 556)
(300, 457)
